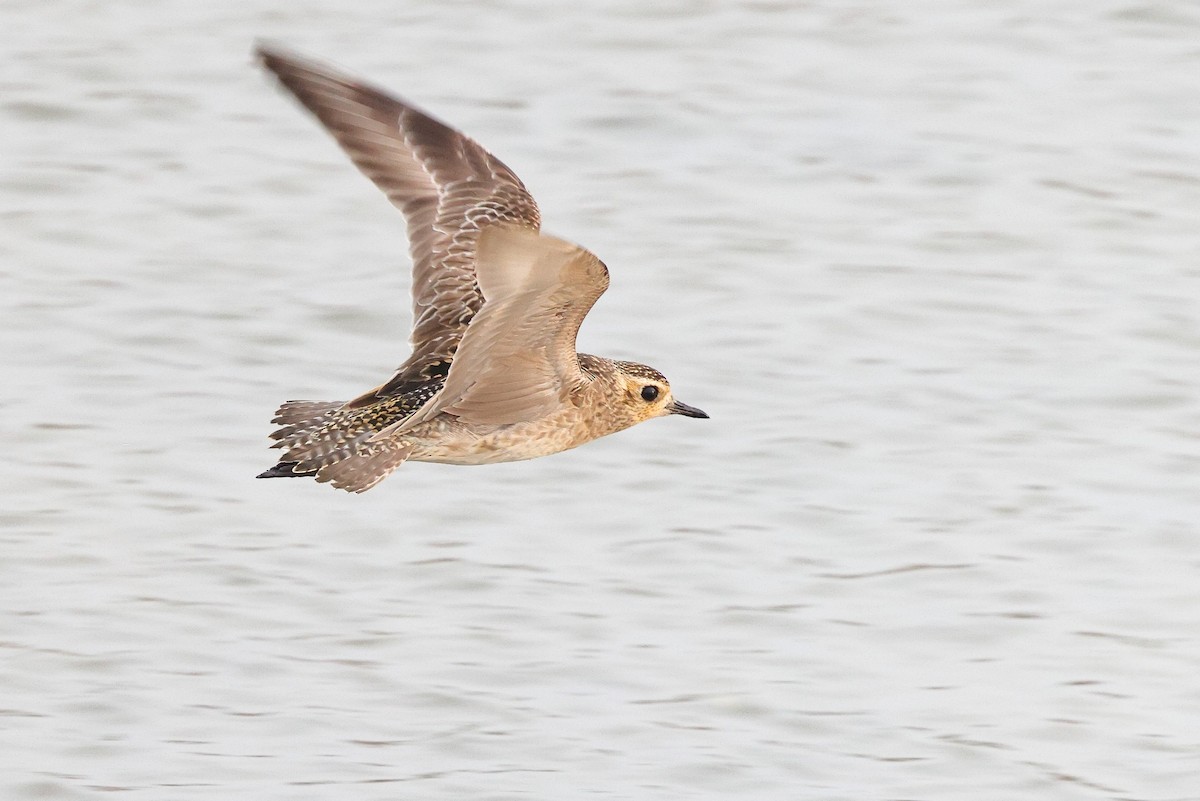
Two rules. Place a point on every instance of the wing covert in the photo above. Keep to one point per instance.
(517, 360)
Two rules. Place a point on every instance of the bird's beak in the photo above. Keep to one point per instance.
(676, 407)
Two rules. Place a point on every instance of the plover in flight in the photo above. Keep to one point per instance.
(493, 375)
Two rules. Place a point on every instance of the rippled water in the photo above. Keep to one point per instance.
(933, 269)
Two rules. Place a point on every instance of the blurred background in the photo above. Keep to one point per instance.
(932, 268)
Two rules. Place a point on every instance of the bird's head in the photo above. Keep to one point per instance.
(648, 393)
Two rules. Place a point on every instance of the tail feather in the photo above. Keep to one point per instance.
(325, 440)
(285, 470)
(362, 471)
(299, 418)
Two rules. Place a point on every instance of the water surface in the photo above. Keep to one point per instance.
(932, 269)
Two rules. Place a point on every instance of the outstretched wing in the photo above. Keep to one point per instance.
(446, 185)
(517, 360)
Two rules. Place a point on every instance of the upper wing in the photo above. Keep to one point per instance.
(517, 360)
(446, 185)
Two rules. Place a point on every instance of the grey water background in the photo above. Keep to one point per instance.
(932, 267)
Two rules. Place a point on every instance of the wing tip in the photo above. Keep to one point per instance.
(282, 60)
(268, 51)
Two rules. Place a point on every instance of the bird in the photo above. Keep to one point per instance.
(494, 375)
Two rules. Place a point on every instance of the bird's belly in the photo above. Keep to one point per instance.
(454, 443)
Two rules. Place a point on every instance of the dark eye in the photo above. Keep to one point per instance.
(649, 393)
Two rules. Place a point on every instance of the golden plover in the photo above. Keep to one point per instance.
(493, 375)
